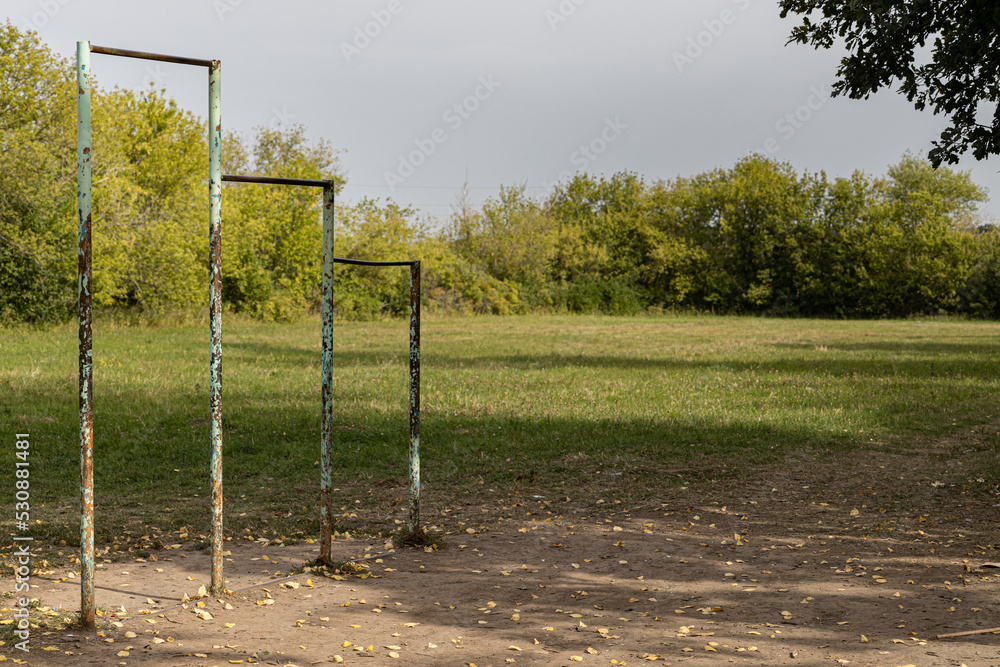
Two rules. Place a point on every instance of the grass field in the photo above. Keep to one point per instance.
(574, 406)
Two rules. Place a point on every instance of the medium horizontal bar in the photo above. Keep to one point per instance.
(125, 53)
(268, 180)
(365, 262)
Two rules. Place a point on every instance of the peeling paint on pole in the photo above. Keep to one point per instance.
(215, 311)
(414, 397)
(326, 427)
(85, 314)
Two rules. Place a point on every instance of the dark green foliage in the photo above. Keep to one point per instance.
(756, 238)
(884, 40)
(29, 292)
(37, 202)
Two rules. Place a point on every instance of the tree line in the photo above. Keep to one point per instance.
(755, 238)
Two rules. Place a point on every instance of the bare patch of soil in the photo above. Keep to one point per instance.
(856, 559)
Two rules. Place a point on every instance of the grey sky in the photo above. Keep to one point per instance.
(534, 80)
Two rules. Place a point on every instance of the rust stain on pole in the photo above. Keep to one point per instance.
(414, 397)
(215, 312)
(88, 605)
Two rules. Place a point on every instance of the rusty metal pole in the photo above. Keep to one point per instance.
(88, 606)
(215, 312)
(326, 427)
(414, 397)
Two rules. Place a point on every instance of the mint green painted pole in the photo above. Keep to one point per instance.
(88, 606)
(215, 311)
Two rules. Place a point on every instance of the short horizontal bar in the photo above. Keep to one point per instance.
(365, 262)
(126, 53)
(268, 180)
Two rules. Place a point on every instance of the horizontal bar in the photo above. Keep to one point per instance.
(365, 262)
(268, 180)
(126, 53)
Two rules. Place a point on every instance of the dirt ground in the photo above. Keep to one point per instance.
(860, 559)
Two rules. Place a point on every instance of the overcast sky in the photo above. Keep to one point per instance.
(419, 93)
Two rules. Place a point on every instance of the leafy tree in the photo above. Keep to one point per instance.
(150, 222)
(373, 232)
(511, 239)
(981, 291)
(835, 271)
(680, 268)
(942, 54)
(754, 238)
(604, 240)
(37, 180)
(893, 246)
(763, 205)
(734, 239)
(272, 249)
(918, 251)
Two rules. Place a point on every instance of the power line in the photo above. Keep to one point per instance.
(438, 187)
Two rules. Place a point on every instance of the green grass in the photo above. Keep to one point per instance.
(547, 405)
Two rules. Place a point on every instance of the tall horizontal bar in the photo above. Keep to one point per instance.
(126, 53)
(365, 262)
(268, 180)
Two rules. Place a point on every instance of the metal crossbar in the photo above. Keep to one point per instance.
(142, 55)
(366, 262)
(270, 180)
